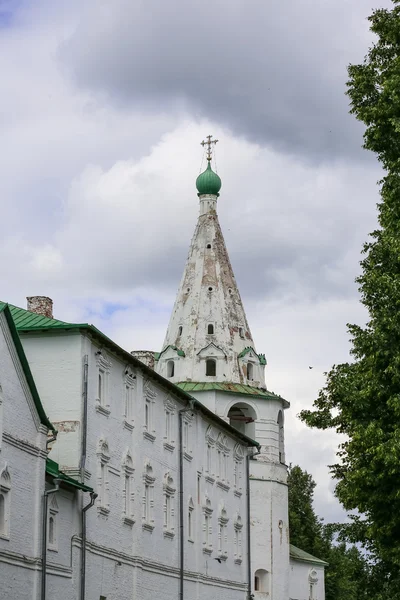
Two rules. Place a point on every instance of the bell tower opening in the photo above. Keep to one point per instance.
(243, 418)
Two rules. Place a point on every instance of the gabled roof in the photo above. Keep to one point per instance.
(208, 347)
(53, 469)
(302, 556)
(261, 357)
(25, 323)
(6, 310)
(231, 388)
(157, 355)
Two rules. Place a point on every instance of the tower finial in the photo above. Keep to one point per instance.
(209, 143)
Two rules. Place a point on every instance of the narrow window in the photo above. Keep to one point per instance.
(190, 523)
(249, 371)
(100, 387)
(241, 332)
(180, 330)
(256, 583)
(51, 530)
(146, 503)
(147, 415)
(211, 367)
(210, 329)
(170, 368)
(209, 459)
(198, 487)
(2, 514)
(186, 436)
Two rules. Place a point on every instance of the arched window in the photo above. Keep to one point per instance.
(249, 371)
(170, 368)
(211, 367)
(51, 530)
(5, 488)
(210, 329)
(180, 329)
(261, 581)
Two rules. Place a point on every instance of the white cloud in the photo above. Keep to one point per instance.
(98, 206)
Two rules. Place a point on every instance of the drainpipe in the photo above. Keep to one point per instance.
(46, 495)
(84, 417)
(181, 500)
(93, 497)
(249, 575)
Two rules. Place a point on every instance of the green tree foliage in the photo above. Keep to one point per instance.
(348, 574)
(361, 399)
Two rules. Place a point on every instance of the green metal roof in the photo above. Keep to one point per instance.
(52, 469)
(208, 182)
(25, 319)
(230, 388)
(303, 556)
(7, 310)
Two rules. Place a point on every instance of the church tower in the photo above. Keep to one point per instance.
(209, 352)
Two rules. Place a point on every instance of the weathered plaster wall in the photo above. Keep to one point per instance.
(22, 465)
(301, 574)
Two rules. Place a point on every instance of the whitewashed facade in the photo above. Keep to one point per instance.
(132, 461)
(307, 576)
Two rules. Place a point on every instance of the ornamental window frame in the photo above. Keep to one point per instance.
(187, 422)
(150, 396)
(222, 462)
(169, 490)
(237, 541)
(52, 524)
(129, 381)
(103, 483)
(5, 494)
(211, 439)
(169, 424)
(223, 521)
(103, 365)
(148, 479)
(191, 528)
(238, 460)
(128, 494)
(207, 525)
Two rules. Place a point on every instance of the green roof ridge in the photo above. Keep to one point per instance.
(6, 309)
(230, 388)
(302, 555)
(261, 357)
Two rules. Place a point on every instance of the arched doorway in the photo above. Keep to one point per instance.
(243, 417)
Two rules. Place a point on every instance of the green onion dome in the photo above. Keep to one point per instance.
(208, 182)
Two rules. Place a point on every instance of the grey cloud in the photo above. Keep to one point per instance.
(274, 72)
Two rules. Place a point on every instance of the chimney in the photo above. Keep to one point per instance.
(41, 305)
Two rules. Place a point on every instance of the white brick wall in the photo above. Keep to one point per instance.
(124, 559)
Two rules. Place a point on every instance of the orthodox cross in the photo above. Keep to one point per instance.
(209, 143)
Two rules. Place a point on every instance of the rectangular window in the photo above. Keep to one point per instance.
(167, 425)
(198, 487)
(186, 436)
(209, 459)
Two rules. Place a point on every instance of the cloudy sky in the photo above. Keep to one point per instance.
(102, 108)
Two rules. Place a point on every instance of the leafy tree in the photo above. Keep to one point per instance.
(361, 399)
(347, 576)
